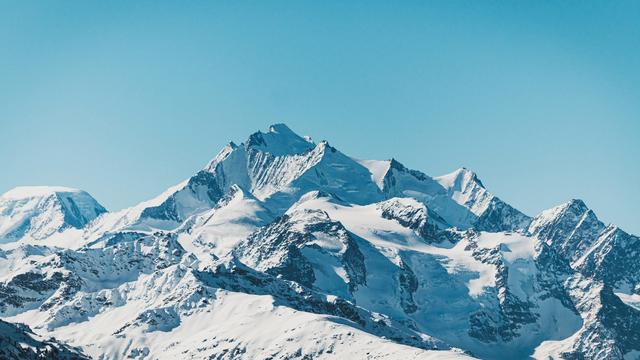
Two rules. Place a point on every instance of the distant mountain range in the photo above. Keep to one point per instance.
(283, 248)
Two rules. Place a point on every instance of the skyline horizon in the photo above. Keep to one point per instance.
(308, 137)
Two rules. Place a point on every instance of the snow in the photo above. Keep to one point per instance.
(427, 190)
(552, 349)
(169, 313)
(365, 221)
(248, 326)
(391, 238)
(42, 212)
(280, 140)
(453, 179)
(553, 214)
(466, 190)
(451, 274)
(632, 300)
(513, 245)
(378, 170)
(188, 201)
(23, 192)
(217, 231)
(221, 156)
(19, 258)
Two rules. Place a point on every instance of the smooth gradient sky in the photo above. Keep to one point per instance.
(123, 99)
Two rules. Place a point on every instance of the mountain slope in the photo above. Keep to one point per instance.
(38, 212)
(504, 310)
(492, 213)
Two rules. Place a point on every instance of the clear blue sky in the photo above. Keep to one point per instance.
(123, 99)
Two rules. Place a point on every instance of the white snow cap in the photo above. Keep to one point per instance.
(281, 129)
(575, 205)
(23, 192)
(458, 179)
(279, 140)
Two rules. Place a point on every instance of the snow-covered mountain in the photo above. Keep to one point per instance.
(283, 248)
(39, 212)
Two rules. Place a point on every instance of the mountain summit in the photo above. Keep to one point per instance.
(42, 211)
(278, 141)
(284, 248)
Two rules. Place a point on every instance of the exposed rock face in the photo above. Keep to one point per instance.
(570, 228)
(17, 341)
(416, 216)
(299, 245)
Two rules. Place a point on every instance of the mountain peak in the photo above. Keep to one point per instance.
(459, 179)
(278, 140)
(221, 156)
(571, 227)
(24, 192)
(319, 194)
(577, 205)
(41, 211)
(280, 128)
(397, 165)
